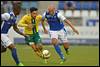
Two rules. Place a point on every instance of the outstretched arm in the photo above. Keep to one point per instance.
(70, 24)
(22, 21)
(43, 25)
(17, 30)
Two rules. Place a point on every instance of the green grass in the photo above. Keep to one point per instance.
(79, 56)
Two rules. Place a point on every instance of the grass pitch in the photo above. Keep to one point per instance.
(79, 56)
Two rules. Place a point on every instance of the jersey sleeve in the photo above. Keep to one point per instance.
(61, 17)
(21, 22)
(5, 16)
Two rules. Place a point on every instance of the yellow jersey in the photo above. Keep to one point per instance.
(27, 19)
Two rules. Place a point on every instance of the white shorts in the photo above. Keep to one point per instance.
(59, 35)
(5, 41)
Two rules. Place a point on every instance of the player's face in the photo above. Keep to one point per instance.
(51, 12)
(16, 10)
(51, 9)
(34, 14)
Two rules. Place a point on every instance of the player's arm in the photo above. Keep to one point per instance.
(5, 16)
(22, 23)
(43, 25)
(17, 30)
(68, 22)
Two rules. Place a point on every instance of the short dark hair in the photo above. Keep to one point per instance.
(33, 9)
(16, 6)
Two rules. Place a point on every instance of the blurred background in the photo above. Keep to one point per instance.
(83, 14)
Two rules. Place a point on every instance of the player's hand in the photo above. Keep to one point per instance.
(76, 31)
(45, 31)
(27, 36)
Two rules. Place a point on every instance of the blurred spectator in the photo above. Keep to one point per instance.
(26, 5)
(7, 6)
(69, 5)
(16, 2)
(2, 9)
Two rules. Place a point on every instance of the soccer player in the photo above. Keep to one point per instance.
(9, 20)
(30, 22)
(55, 21)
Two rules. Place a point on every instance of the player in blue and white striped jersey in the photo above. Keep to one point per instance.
(55, 20)
(8, 21)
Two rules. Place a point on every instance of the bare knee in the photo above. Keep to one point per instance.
(54, 41)
(34, 47)
(40, 47)
(11, 46)
(66, 45)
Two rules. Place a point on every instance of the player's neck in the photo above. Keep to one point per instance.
(14, 14)
(53, 13)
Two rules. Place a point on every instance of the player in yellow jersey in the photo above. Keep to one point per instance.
(30, 22)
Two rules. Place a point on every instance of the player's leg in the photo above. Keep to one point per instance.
(38, 44)
(14, 54)
(3, 49)
(38, 52)
(54, 37)
(64, 40)
(30, 41)
(40, 48)
(8, 44)
(66, 47)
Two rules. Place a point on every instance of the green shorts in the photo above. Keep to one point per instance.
(33, 39)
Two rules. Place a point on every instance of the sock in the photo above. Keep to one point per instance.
(14, 55)
(58, 50)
